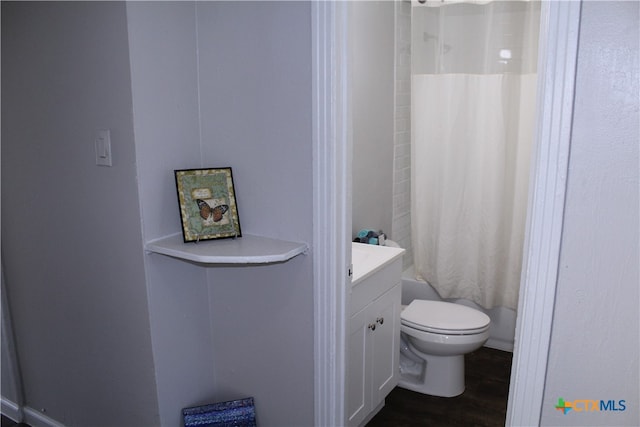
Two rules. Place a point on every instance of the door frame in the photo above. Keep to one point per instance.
(560, 24)
(332, 208)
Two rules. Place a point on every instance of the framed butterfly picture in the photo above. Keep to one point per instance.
(208, 207)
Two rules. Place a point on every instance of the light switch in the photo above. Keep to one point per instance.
(103, 147)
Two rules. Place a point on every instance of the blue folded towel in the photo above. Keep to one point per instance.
(365, 233)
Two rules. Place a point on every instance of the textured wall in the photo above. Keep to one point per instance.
(401, 222)
(595, 337)
(219, 84)
(163, 44)
(255, 92)
(372, 82)
(71, 236)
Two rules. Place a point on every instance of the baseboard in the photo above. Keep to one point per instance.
(37, 419)
(11, 409)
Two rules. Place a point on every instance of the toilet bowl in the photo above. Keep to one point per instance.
(434, 337)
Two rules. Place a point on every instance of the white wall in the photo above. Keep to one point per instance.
(595, 337)
(256, 117)
(163, 46)
(401, 221)
(71, 236)
(372, 52)
(209, 84)
(228, 84)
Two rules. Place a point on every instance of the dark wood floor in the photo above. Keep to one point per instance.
(8, 422)
(483, 403)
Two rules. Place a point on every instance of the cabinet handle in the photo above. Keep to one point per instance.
(372, 326)
(380, 320)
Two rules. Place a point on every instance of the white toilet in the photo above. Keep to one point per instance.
(434, 337)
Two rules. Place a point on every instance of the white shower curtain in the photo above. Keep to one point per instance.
(473, 104)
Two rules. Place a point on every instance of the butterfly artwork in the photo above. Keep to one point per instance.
(209, 213)
(208, 206)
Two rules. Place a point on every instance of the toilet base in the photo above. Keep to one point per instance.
(442, 376)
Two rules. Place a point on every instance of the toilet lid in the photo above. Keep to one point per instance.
(444, 317)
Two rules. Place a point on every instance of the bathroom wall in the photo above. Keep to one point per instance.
(401, 220)
(372, 53)
(71, 236)
(381, 100)
(595, 335)
(228, 84)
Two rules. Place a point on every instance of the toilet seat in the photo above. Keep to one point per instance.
(439, 317)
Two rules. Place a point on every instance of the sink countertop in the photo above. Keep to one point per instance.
(367, 259)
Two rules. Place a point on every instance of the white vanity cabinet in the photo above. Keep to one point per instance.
(374, 335)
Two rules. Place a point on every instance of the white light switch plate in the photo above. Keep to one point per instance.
(103, 147)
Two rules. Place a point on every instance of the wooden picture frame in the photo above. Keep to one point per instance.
(208, 207)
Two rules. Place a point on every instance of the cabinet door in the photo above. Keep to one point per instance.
(358, 369)
(385, 344)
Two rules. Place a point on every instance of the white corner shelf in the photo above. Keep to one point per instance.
(247, 249)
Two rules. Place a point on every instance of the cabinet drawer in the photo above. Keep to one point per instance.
(376, 284)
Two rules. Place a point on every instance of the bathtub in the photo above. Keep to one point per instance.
(503, 320)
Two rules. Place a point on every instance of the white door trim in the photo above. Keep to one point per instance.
(331, 210)
(559, 49)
